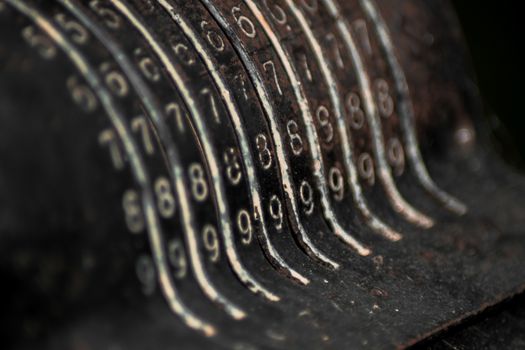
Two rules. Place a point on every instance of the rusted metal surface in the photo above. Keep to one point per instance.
(253, 174)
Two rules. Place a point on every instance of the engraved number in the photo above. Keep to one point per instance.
(357, 116)
(78, 33)
(365, 168)
(177, 258)
(396, 156)
(323, 117)
(307, 197)
(336, 183)
(199, 187)
(81, 95)
(115, 81)
(244, 23)
(296, 143)
(140, 125)
(213, 37)
(276, 212)
(173, 109)
(265, 155)
(233, 167)
(306, 67)
(165, 198)
(133, 211)
(145, 270)
(211, 242)
(40, 42)
(384, 100)
(107, 138)
(213, 104)
(244, 224)
(183, 53)
(147, 66)
(274, 73)
(109, 16)
(277, 13)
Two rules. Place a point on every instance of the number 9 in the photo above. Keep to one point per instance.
(211, 242)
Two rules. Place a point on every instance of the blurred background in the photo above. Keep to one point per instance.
(495, 36)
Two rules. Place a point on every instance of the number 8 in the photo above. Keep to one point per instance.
(165, 199)
(199, 187)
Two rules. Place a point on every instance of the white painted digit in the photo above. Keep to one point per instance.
(357, 116)
(147, 66)
(78, 33)
(336, 183)
(199, 186)
(276, 12)
(107, 138)
(177, 258)
(109, 16)
(183, 53)
(307, 71)
(246, 25)
(276, 212)
(265, 155)
(211, 242)
(141, 126)
(233, 167)
(323, 118)
(115, 81)
(173, 110)
(82, 95)
(396, 156)
(271, 65)
(296, 142)
(165, 199)
(244, 224)
(365, 168)
(385, 102)
(133, 211)
(145, 270)
(307, 197)
(40, 42)
(213, 104)
(213, 37)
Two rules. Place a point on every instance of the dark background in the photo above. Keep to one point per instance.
(495, 37)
